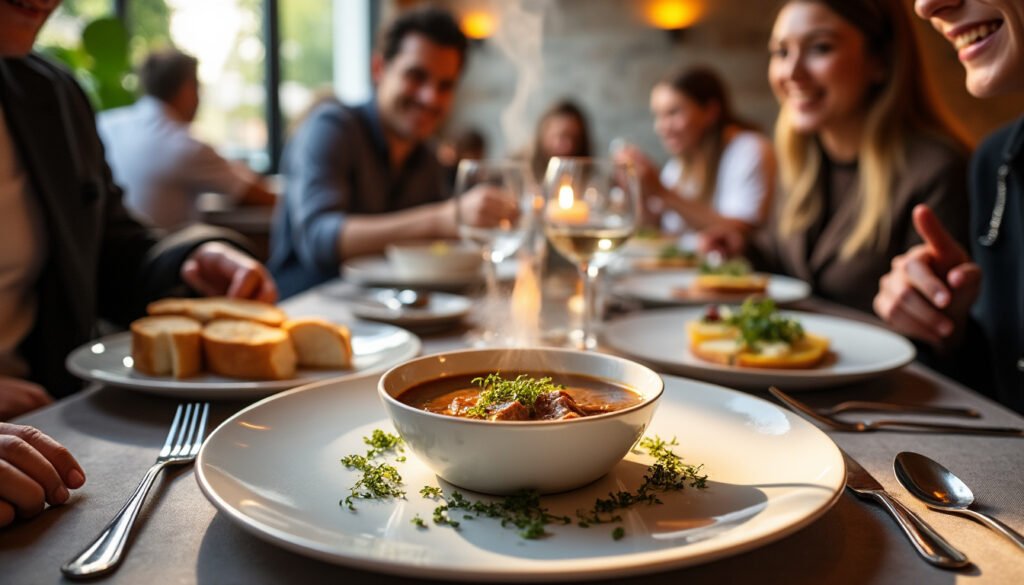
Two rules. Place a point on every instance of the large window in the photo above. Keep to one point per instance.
(228, 37)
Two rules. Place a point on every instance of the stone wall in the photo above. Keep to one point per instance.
(602, 54)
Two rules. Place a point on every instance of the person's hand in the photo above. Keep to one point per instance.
(34, 470)
(930, 289)
(216, 269)
(487, 206)
(646, 172)
(726, 238)
(19, 396)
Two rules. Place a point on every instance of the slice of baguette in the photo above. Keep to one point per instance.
(250, 350)
(728, 283)
(167, 345)
(320, 343)
(210, 308)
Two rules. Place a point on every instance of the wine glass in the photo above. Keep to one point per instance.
(495, 210)
(591, 208)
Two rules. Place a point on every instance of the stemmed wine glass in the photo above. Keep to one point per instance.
(494, 209)
(591, 208)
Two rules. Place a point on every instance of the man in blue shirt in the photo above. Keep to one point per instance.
(359, 178)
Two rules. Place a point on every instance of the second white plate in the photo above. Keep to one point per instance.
(672, 287)
(375, 348)
(861, 351)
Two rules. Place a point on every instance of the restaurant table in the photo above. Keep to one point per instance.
(181, 538)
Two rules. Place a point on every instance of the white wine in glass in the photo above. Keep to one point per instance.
(591, 208)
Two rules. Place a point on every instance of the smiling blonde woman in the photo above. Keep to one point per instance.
(859, 143)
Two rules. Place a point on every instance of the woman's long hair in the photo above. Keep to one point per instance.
(704, 87)
(566, 108)
(901, 105)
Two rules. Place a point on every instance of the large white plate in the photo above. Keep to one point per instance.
(375, 348)
(861, 351)
(274, 469)
(673, 288)
(377, 271)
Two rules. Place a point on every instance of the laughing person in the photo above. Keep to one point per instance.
(362, 177)
(972, 307)
(859, 144)
(71, 254)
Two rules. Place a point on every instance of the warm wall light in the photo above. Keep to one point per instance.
(673, 15)
(478, 25)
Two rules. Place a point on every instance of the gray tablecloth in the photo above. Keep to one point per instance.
(180, 537)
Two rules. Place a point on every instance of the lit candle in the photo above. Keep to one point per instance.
(567, 208)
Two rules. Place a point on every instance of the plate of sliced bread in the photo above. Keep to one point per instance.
(754, 345)
(231, 348)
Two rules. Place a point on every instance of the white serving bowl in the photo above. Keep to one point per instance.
(503, 457)
(438, 259)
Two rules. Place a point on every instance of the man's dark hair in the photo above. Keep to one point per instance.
(164, 72)
(436, 24)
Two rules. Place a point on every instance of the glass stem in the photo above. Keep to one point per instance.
(589, 275)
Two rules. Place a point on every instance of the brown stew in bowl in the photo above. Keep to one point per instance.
(558, 397)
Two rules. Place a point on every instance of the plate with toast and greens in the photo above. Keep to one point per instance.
(231, 348)
(730, 281)
(755, 345)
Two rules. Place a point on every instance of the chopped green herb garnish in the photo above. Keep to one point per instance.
(418, 521)
(379, 480)
(672, 251)
(381, 443)
(496, 390)
(521, 510)
(431, 492)
(618, 533)
(668, 473)
(731, 267)
(759, 321)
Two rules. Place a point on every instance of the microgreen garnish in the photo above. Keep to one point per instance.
(671, 252)
(497, 390)
(418, 522)
(759, 321)
(521, 510)
(381, 443)
(431, 492)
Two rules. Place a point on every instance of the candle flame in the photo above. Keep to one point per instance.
(566, 197)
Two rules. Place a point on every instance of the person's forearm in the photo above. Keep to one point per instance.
(697, 215)
(370, 234)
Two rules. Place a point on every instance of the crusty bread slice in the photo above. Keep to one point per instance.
(250, 350)
(731, 283)
(320, 343)
(166, 345)
(210, 308)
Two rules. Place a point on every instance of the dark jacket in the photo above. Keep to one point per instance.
(101, 263)
(995, 343)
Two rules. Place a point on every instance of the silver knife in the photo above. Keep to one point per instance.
(935, 549)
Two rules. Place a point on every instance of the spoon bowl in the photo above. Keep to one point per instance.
(940, 489)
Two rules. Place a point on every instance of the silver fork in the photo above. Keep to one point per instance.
(183, 441)
(862, 427)
(868, 406)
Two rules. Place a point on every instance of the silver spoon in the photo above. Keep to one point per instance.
(937, 487)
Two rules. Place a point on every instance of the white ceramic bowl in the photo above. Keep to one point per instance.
(503, 457)
(425, 260)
